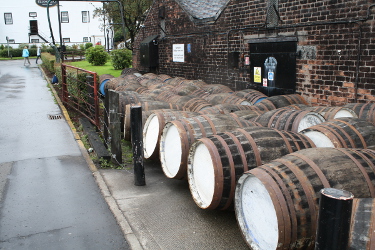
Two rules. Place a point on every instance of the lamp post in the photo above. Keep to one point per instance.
(8, 44)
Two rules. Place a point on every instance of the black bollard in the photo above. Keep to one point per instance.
(137, 145)
(335, 209)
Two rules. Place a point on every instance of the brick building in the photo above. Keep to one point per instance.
(321, 49)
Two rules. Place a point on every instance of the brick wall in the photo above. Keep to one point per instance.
(337, 65)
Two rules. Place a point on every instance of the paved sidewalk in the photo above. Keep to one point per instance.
(49, 197)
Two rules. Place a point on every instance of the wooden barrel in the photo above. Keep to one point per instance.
(264, 106)
(113, 83)
(154, 126)
(129, 87)
(280, 101)
(229, 98)
(345, 132)
(216, 163)
(184, 89)
(165, 96)
(128, 71)
(363, 110)
(131, 97)
(164, 77)
(247, 114)
(197, 83)
(252, 95)
(216, 88)
(362, 228)
(330, 113)
(195, 104)
(129, 77)
(105, 77)
(276, 204)
(146, 106)
(225, 108)
(175, 81)
(179, 135)
(289, 120)
(200, 93)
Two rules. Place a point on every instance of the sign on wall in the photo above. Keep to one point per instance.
(178, 53)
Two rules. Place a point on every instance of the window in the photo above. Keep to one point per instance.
(8, 18)
(66, 40)
(87, 39)
(34, 40)
(32, 14)
(85, 17)
(64, 17)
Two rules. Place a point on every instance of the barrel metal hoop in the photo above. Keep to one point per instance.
(309, 191)
(333, 136)
(315, 167)
(240, 149)
(297, 120)
(200, 126)
(292, 212)
(273, 117)
(253, 145)
(285, 140)
(232, 171)
(361, 168)
(211, 124)
(336, 136)
(277, 198)
(355, 131)
(218, 170)
(293, 115)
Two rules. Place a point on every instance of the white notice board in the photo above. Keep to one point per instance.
(178, 53)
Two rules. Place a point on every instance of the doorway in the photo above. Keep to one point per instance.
(33, 27)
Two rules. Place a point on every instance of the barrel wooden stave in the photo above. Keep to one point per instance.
(293, 183)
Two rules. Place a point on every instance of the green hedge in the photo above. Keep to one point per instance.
(48, 61)
(121, 58)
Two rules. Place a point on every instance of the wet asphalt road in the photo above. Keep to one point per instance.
(48, 195)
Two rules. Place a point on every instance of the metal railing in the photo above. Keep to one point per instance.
(80, 92)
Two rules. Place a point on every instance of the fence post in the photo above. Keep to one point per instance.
(137, 145)
(64, 84)
(106, 118)
(335, 209)
(115, 126)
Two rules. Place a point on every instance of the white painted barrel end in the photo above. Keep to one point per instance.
(170, 150)
(256, 214)
(201, 175)
(150, 135)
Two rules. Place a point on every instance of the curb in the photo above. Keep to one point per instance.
(124, 225)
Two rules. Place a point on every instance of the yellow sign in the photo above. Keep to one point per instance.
(258, 74)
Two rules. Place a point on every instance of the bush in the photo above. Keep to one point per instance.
(48, 61)
(88, 45)
(121, 58)
(96, 55)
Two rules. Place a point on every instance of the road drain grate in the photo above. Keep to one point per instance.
(54, 117)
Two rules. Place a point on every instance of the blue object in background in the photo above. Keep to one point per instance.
(102, 85)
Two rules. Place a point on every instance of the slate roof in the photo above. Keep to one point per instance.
(203, 10)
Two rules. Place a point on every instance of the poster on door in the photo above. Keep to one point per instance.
(258, 74)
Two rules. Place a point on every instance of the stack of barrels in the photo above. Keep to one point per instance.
(266, 158)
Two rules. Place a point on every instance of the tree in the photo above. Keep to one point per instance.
(135, 12)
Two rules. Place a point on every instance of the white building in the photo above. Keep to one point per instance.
(26, 22)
